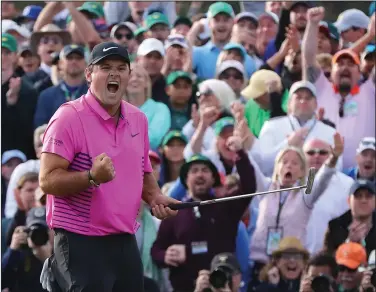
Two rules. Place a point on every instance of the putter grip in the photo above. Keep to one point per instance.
(184, 205)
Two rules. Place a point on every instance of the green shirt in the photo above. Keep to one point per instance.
(256, 116)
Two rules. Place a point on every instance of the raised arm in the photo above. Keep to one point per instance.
(47, 14)
(311, 70)
(359, 46)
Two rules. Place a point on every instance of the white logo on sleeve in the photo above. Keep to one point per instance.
(110, 48)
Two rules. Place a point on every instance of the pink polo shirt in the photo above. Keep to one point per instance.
(359, 114)
(79, 131)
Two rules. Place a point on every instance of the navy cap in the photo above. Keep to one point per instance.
(70, 49)
(363, 184)
(35, 216)
(107, 49)
(32, 12)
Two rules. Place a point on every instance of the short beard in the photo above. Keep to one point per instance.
(344, 88)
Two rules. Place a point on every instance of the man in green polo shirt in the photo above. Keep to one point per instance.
(266, 100)
(158, 26)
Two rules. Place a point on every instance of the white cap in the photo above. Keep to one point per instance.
(150, 45)
(231, 64)
(131, 26)
(8, 25)
(365, 144)
(303, 84)
(176, 39)
(351, 18)
(246, 14)
(271, 15)
(10, 154)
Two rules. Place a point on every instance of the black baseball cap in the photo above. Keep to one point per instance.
(227, 260)
(107, 49)
(70, 49)
(36, 216)
(363, 184)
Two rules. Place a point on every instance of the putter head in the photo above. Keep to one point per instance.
(310, 180)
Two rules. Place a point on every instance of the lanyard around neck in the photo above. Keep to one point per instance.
(68, 96)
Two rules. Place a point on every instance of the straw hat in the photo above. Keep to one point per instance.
(49, 29)
(290, 244)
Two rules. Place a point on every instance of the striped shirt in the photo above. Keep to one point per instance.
(79, 131)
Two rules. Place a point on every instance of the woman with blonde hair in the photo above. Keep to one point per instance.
(285, 213)
(139, 94)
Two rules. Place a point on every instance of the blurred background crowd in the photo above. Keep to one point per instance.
(293, 81)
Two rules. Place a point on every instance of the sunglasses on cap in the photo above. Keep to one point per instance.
(226, 75)
(176, 39)
(128, 36)
(205, 92)
(342, 268)
(368, 143)
(317, 151)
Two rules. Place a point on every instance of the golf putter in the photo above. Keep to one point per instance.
(307, 186)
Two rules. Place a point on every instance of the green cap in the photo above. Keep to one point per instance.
(139, 31)
(156, 18)
(220, 7)
(94, 8)
(223, 123)
(330, 30)
(236, 46)
(173, 76)
(174, 135)
(198, 158)
(8, 41)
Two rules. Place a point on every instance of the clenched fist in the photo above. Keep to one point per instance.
(316, 14)
(103, 169)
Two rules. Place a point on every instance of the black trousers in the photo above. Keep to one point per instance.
(96, 263)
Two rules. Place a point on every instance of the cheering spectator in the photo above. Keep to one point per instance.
(351, 107)
(368, 58)
(266, 30)
(123, 34)
(233, 73)
(157, 113)
(150, 55)
(158, 26)
(328, 38)
(73, 85)
(349, 257)
(359, 223)
(245, 20)
(182, 25)
(220, 16)
(179, 89)
(365, 161)
(294, 129)
(285, 268)
(18, 99)
(273, 6)
(332, 203)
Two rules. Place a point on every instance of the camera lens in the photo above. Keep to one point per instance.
(218, 278)
(320, 284)
(38, 235)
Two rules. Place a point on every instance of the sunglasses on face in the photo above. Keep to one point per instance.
(292, 256)
(317, 151)
(342, 268)
(53, 39)
(128, 36)
(236, 76)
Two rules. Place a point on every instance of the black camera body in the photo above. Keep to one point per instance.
(321, 283)
(38, 234)
(220, 277)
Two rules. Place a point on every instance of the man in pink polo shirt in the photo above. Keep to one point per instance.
(347, 102)
(95, 169)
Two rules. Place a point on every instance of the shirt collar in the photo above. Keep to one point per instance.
(211, 46)
(296, 124)
(46, 68)
(354, 91)
(96, 107)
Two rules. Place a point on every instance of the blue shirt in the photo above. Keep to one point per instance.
(52, 98)
(159, 121)
(205, 61)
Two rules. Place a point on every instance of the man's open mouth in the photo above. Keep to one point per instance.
(113, 86)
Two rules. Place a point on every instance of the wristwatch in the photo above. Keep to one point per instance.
(91, 180)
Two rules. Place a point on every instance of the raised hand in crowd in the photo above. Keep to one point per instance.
(371, 27)
(208, 115)
(273, 276)
(202, 281)
(19, 238)
(316, 14)
(358, 230)
(14, 90)
(366, 284)
(339, 144)
(320, 114)
(195, 115)
(298, 137)
(292, 35)
(175, 255)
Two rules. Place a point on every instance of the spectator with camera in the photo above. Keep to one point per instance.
(321, 274)
(359, 223)
(31, 245)
(224, 275)
(350, 256)
(283, 272)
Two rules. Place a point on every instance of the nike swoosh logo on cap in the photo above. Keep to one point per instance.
(110, 48)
